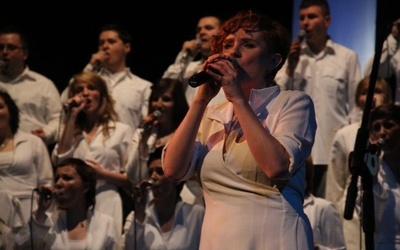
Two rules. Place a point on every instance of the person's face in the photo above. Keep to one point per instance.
(314, 23)
(163, 185)
(251, 52)
(378, 99)
(114, 48)
(165, 103)
(71, 186)
(206, 28)
(91, 95)
(388, 130)
(12, 51)
(4, 115)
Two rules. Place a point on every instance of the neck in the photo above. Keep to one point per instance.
(76, 216)
(5, 136)
(318, 46)
(165, 207)
(116, 68)
(13, 72)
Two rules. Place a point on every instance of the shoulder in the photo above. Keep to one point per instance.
(342, 49)
(350, 128)
(325, 205)
(295, 96)
(123, 126)
(25, 136)
(139, 80)
(40, 78)
(193, 208)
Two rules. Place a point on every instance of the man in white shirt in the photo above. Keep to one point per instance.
(194, 52)
(36, 96)
(329, 73)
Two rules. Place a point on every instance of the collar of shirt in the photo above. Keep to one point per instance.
(258, 100)
(26, 74)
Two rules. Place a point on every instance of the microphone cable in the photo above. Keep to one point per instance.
(31, 219)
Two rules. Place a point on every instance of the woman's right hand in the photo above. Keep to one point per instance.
(75, 104)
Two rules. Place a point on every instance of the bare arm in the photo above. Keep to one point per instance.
(178, 154)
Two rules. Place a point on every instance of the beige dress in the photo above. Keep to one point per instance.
(244, 208)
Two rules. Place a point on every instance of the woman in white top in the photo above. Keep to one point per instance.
(24, 165)
(92, 133)
(165, 222)
(250, 151)
(75, 224)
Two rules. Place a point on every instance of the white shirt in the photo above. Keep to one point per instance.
(184, 235)
(338, 179)
(53, 233)
(21, 171)
(389, 63)
(330, 79)
(38, 101)
(387, 213)
(325, 222)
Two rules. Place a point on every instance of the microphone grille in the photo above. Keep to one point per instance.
(198, 42)
(301, 34)
(157, 113)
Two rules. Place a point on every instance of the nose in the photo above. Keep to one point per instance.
(158, 103)
(85, 91)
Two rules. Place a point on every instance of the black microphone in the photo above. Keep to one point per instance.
(96, 66)
(69, 106)
(148, 122)
(301, 35)
(143, 185)
(49, 193)
(187, 52)
(203, 77)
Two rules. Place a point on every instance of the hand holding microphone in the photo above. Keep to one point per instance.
(97, 60)
(190, 49)
(74, 104)
(48, 193)
(150, 120)
(301, 35)
(139, 192)
(203, 77)
(143, 185)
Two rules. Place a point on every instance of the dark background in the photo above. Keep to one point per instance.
(64, 35)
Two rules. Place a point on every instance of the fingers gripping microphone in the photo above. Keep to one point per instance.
(49, 193)
(143, 185)
(69, 106)
(203, 77)
(301, 35)
(149, 121)
(187, 53)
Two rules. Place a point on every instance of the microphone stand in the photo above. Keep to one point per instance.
(357, 165)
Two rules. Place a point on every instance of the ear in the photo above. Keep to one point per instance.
(127, 47)
(274, 61)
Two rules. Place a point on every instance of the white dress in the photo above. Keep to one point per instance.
(244, 208)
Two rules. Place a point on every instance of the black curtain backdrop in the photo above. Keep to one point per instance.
(63, 35)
